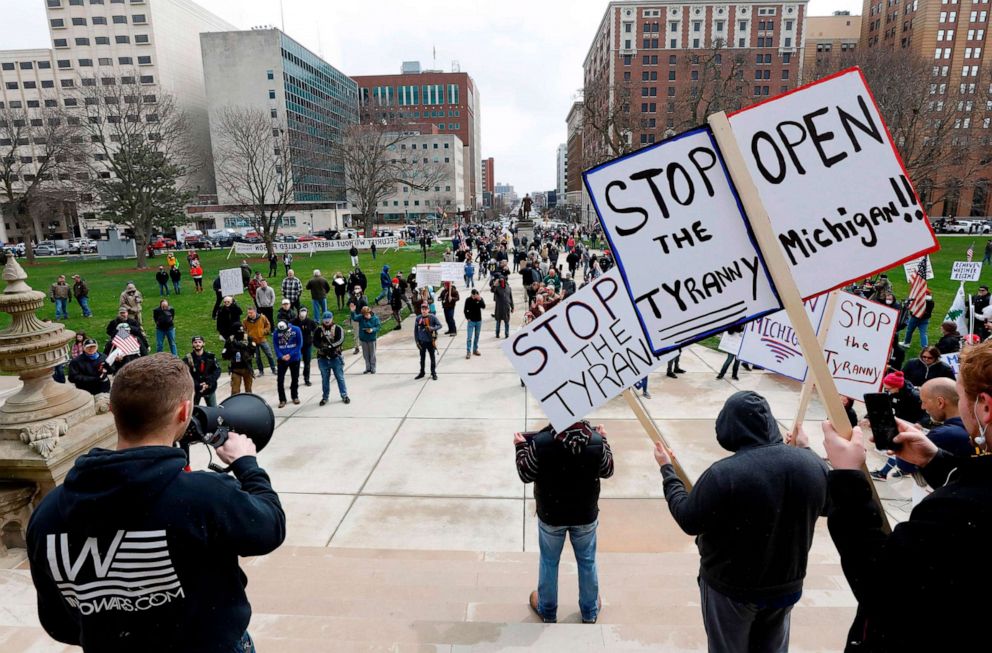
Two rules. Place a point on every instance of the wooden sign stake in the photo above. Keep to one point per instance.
(781, 275)
(807, 392)
(654, 433)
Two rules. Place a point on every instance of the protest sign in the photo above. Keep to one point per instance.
(582, 353)
(230, 282)
(953, 361)
(428, 275)
(858, 344)
(966, 271)
(910, 267)
(856, 349)
(454, 271)
(838, 198)
(687, 257)
(771, 342)
(730, 342)
(311, 246)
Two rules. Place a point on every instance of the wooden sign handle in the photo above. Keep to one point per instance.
(807, 392)
(781, 274)
(654, 433)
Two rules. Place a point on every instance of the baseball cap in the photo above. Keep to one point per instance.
(282, 326)
(89, 342)
(327, 316)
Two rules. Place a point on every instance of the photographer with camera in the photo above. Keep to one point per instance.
(133, 554)
(919, 587)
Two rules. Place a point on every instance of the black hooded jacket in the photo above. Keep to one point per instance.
(132, 553)
(753, 512)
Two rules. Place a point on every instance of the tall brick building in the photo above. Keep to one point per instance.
(828, 36)
(648, 58)
(434, 102)
(953, 34)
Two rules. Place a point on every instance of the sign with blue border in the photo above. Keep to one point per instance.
(680, 238)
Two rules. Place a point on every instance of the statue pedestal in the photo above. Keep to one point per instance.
(26, 461)
(526, 228)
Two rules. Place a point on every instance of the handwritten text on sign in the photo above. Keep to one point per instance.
(428, 275)
(231, 282)
(835, 190)
(582, 353)
(688, 260)
(966, 271)
(771, 341)
(910, 267)
(856, 349)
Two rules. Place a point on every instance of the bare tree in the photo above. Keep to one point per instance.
(41, 155)
(610, 118)
(940, 126)
(718, 81)
(253, 166)
(377, 166)
(143, 156)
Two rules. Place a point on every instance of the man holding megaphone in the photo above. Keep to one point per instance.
(132, 553)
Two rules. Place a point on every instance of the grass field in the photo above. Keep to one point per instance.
(107, 280)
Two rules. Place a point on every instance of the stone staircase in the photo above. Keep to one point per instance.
(309, 599)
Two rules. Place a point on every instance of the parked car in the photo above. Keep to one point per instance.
(161, 242)
(197, 242)
(45, 250)
(51, 244)
(222, 240)
(348, 234)
(309, 238)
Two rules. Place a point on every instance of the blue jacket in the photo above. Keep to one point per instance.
(424, 327)
(384, 278)
(289, 342)
(952, 437)
(371, 323)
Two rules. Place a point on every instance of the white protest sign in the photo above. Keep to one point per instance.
(858, 344)
(230, 282)
(687, 257)
(909, 267)
(838, 198)
(583, 352)
(953, 361)
(771, 342)
(731, 342)
(452, 271)
(966, 271)
(309, 246)
(428, 275)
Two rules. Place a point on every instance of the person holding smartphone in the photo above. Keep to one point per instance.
(917, 586)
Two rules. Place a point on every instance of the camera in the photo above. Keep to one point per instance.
(244, 413)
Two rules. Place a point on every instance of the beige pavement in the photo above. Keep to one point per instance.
(408, 529)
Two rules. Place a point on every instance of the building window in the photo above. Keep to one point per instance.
(122, 38)
(270, 75)
(125, 61)
(139, 19)
(44, 65)
(82, 40)
(99, 20)
(141, 38)
(79, 22)
(61, 43)
(102, 40)
(272, 95)
(120, 20)
(57, 23)
(64, 63)
(144, 61)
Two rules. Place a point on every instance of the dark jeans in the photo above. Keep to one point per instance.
(269, 314)
(449, 318)
(244, 645)
(726, 363)
(741, 627)
(294, 382)
(425, 350)
(307, 354)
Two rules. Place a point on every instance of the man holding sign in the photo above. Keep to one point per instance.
(753, 514)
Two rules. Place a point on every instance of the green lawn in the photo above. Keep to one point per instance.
(107, 280)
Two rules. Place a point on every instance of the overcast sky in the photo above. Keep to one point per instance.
(525, 56)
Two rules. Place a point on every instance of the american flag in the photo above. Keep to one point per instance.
(127, 345)
(971, 251)
(918, 290)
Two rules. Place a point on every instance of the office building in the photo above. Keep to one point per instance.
(407, 204)
(562, 168)
(431, 100)
(827, 36)
(574, 188)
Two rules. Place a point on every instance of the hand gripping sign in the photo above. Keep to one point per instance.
(688, 259)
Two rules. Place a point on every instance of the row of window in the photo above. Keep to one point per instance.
(84, 41)
(437, 189)
(423, 146)
(652, 60)
(83, 63)
(65, 64)
(136, 19)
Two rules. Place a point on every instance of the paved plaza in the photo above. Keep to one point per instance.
(409, 530)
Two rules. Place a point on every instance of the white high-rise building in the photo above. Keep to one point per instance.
(407, 204)
(101, 42)
(562, 172)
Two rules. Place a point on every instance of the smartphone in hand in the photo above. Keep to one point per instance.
(882, 417)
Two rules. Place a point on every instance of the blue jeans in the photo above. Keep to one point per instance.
(319, 306)
(61, 308)
(160, 337)
(469, 281)
(163, 289)
(470, 343)
(175, 287)
(84, 303)
(387, 292)
(914, 324)
(551, 540)
(328, 365)
(267, 348)
(244, 645)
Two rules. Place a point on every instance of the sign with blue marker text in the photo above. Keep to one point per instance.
(770, 342)
(837, 195)
(688, 260)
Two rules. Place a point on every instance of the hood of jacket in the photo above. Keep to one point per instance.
(385, 269)
(746, 420)
(104, 483)
(575, 438)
